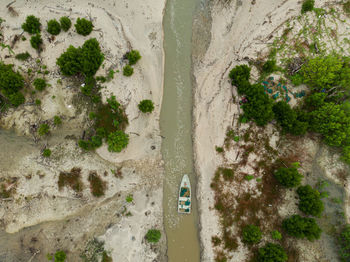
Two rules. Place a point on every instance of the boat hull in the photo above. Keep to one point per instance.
(184, 201)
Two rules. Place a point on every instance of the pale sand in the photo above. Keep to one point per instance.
(119, 26)
(239, 31)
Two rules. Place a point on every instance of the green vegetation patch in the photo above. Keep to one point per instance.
(22, 56)
(66, 23)
(133, 56)
(272, 252)
(128, 70)
(310, 201)
(53, 27)
(83, 26)
(288, 177)
(146, 106)
(302, 227)
(251, 234)
(39, 84)
(46, 152)
(32, 25)
(36, 41)
(153, 236)
(11, 82)
(43, 129)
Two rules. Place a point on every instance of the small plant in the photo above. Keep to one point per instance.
(215, 240)
(66, 23)
(227, 173)
(146, 106)
(302, 227)
(60, 256)
(219, 149)
(310, 201)
(251, 234)
(57, 120)
(236, 138)
(276, 235)
(53, 27)
(249, 177)
(83, 26)
(46, 152)
(117, 141)
(153, 235)
(128, 70)
(129, 198)
(32, 25)
(37, 102)
(269, 66)
(24, 38)
(308, 5)
(36, 41)
(272, 252)
(133, 56)
(288, 177)
(44, 129)
(39, 84)
(22, 56)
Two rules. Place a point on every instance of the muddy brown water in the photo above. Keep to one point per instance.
(176, 128)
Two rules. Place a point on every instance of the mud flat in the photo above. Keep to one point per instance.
(39, 218)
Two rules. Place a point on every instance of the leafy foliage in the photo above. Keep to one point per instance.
(128, 70)
(57, 120)
(133, 56)
(36, 41)
(66, 23)
(32, 25)
(251, 234)
(146, 106)
(22, 56)
(53, 27)
(302, 227)
(44, 129)
(239, 74)
(117, 141)
(344, 241)
(39, 84)
(272, 253)
(276, 235)
(10, 84)
(83, 26)
(269, 66)
(16, 99)
(153, 235)
(307, 6)
(60, 256)
(46, 152)
(288, 177)
(310, 201)
(85, 60)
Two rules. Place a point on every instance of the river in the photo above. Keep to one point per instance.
(176, 128)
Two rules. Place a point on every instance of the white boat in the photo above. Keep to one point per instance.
(184, 203)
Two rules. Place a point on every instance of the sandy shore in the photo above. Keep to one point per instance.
(119, 27)
(235, 33)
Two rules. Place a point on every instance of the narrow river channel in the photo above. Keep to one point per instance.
(176, 128)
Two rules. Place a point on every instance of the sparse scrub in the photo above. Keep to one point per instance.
(153, 236)
(44, 129)
(53, 27)
(32, 25)
(97, 185)
(71, 179)
(66, 23)
(57, 120)
(269, 66)
(83, 26)
(16, 99)
(146, 106)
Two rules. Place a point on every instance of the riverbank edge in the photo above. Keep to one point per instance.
(198, 30)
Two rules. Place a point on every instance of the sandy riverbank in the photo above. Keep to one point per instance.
(235, 33)
(119, 27)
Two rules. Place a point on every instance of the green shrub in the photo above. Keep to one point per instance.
(60, 256)
(22, 56)
(46, 152)
(117, 141)
(146, 106)
(302, 227)
(153, 235)
(10, 81)
(249, 177)
(308, 5)
(251, 234)
(310, 201)
(85, 60)
(128, 70)
(133, 56)
(344, 241)
(269, 66)
(36, 41)
(66, 23)
(276, 235)
(227, 173)
(16, 99)
(83, 26)
(39, 84)
(53, 27)
(219, 149)
(32, 25)
(346, 154)
(57, 120)
(44, 129)
(272, 253)
(129, 198)
(239, 73)
(288, 177)
(37, 102)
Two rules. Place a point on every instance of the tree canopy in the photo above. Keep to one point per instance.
(32, 25)
(302, 227)
(288, 177)
(272, 253)
(310, 201)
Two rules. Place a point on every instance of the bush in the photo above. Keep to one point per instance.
(276, 235)
(57, 120)
(308, 5)
(272, 253)
(133, 56)
(38, 102)
(83, 26)
(85, 60)
(128, 70)
(16, 99)
(269, 66)
(315, 100)
(36, 41)
(60, 256)
(22, 56)
(117, 141)
(344, 241)
(44, 129)
(46, 152)
(251, 234)
(146, 106)
(302, 227)
(32, 25)
(227, 173)
(310, 201)
(153, 235)
(66, 23)
(53, 27)
(239, 73)
(10, 81)
(288, 177)
(39, 84)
